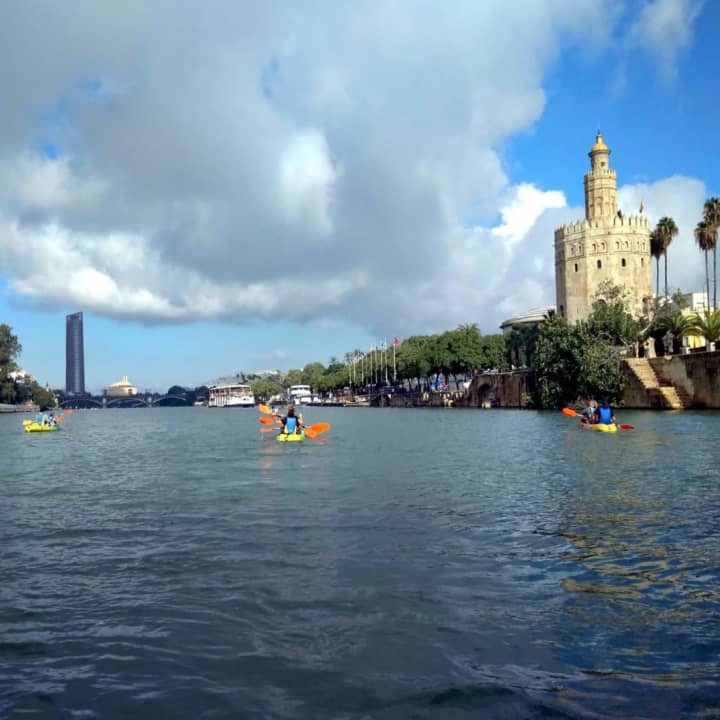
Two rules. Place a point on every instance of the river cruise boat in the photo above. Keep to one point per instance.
(299, 395)
(230, 396)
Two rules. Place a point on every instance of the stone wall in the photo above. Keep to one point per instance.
(696, 376)
(507, 390)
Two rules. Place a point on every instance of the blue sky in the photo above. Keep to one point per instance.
(403, 175)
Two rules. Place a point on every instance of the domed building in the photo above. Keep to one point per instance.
(123, 388)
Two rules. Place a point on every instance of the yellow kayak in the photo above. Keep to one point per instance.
(293, 437)
(600, 427)
(36, 427)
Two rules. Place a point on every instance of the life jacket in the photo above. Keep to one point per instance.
(290, 425)
(605, 415)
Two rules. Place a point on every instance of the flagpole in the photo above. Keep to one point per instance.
(394, 365)
(385, 349)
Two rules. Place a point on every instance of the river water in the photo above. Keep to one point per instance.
(177, 563)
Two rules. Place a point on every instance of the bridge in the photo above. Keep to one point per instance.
(131, 401)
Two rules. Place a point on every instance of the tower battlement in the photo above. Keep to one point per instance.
(605, 245)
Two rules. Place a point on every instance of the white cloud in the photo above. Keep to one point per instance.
(682, 199)
(306, 181)
(277, 163)
(664, 28)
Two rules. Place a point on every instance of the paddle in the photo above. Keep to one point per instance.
(569, 412)
(268, 421)
(314, 430)
(265, 410)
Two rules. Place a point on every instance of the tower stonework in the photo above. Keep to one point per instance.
(606, 245)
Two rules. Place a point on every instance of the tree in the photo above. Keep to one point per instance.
(656, 251)
(704, 240)
(572, 361)
(42, 397)
(610, 319)
(521, 345)
(264, 389)
(494, 352)
(10, 348)
(293, 377)
(711, 216)
(556, 361)
(666, 230)
(312, 372)
(707, 325)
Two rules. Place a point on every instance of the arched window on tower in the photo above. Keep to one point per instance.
(642, 262)
(623, 262)
(576, 267)
(594, 247)
(599, 264)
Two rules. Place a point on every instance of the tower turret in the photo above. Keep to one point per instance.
(605, 246)
(600, 183)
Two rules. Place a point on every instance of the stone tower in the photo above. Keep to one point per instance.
(606, 245)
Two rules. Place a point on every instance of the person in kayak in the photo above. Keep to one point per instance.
(587, 416)
(291, 423)
(604, 414)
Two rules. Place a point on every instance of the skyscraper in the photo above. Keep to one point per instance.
(74, 355)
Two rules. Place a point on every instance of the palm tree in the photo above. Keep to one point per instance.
(707, 325)
(704, 242)
(666, 230)
(656, 251)
(711, 216)
(678, 325)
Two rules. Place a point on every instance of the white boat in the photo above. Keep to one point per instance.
(230, 396)
(299, 394)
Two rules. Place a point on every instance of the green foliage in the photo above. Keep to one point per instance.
(521, 344)
(10, 348)
(573, 361)
(665, 231)
(556, 360)
(311, 373)
(610, 319)
(294, 377)
(42, 397)
(264, 389)
(706, 325)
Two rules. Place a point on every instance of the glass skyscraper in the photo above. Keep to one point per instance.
(74, 355)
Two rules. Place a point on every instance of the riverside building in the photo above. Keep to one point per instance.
(606, 246)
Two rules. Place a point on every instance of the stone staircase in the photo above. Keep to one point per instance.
(664, 393)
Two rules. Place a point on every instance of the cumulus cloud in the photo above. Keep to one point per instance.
(681, 198)
(664, 28)
(238, 161)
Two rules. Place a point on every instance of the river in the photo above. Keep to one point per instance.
(177, 563)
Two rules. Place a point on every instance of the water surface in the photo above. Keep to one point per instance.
(410, 564)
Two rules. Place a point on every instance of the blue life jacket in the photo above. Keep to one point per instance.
(605, 415)
(290, 425)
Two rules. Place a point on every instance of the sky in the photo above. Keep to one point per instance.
(249, 186)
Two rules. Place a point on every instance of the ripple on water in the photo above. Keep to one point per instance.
(177, 563)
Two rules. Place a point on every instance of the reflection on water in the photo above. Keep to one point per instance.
(179, 563)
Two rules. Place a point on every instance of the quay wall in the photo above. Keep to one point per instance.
(696, 375)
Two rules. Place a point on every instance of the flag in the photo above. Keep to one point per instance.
(396, 342)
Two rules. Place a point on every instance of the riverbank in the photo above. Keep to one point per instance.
(5, 408)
